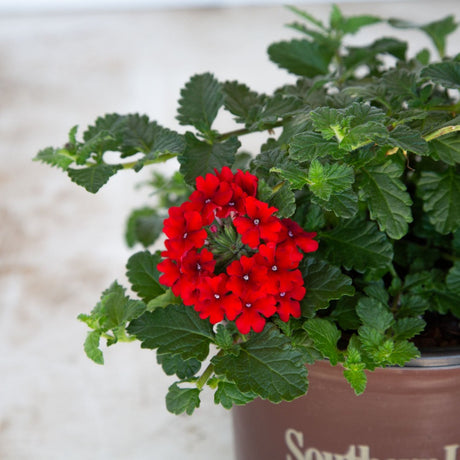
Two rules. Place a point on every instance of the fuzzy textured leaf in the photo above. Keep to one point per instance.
(176, 329)
(180, 400)
(94, 177)
(441, 199)
(277, 369)
(387, 198)
(325, 336)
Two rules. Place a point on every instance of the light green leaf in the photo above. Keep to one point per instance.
(439, 30)
(325, 336)
(354, 368)
(176, 329)
(406, 328)
(440, 193)
(358, 244)
(55, 157)
(92, 178)
(163, 300)
(403, 352)
(324, 283)
(277, 371)
(180, 400)
(296, 176)
(91, 347)
(387, 198)
(143, 274)
(201, 99)
(453, 279)
(200, 158)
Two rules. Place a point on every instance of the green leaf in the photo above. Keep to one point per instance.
(453, 279)
(200, 158)
(229, 395)
(374, 314)
(200, 101)
(176, 329)
(403, 352)
(309, 146)
(143, 226)
(91, 347)
(143, 274)
(118, 308)
(329, 179)
(440, 193)
(276, 107)
(282, 198)
(142, 135)
(387, 198)
(55, 157)
(344, 205)
(174, 364)
(180, 400)
(224, 338)
(163, 300)
(358, 244)
(325, 336)
(407, 139)
(446, 148)
(296, 176)
(446, 74)
(301, 57)
(354, 368)
(277, 371)
(353, 24)
(242, 102)
(406, 328)
(94, 177)
(439, 30)
(324, 283)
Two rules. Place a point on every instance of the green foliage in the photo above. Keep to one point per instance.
(361, 149)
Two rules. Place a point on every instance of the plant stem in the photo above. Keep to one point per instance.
(201, 382)
(442, 132)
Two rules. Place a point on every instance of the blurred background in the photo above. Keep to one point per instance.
(62, 63)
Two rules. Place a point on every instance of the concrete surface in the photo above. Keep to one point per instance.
(60, 246)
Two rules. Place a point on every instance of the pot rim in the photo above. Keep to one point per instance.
(437, 357)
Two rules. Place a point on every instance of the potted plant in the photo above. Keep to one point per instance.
(337, 244)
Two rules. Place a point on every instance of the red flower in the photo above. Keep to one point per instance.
(211, 194)
(185, 231)
(247, 182)
(294, 234)
(254, 312)
(171, 272)
(260, 223)
(246, 274)
(288, 301)
(216, 301)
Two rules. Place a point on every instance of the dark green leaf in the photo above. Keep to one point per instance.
(324, 283)
(344, 205)
(296, 176)
(439, 30)
(374, 314)
(180, 400)
(309, 146)
(200, 101)
(325, 336)
(228, 395)
(387, 198)
(301, 57)
(94, 177)
(358, 244)
(446, 148)
(277, 371)
(242, 102)
(200, 158)
(406, 328)
(143, 226)
(329, 179)
(174, 364)
(446, 74)
(408, 140)
(143, 274)
(176, 329)
(440, 193)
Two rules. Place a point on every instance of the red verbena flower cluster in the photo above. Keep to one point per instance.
(229, 256)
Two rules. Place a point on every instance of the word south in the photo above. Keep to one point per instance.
(296, 451)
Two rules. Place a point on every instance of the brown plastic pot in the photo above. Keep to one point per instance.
(405, 413)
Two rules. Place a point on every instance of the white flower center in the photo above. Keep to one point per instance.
(249, 305)
(217, 296)
(274, 268)
(245, 277)
(256, 221)
(282, 294)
